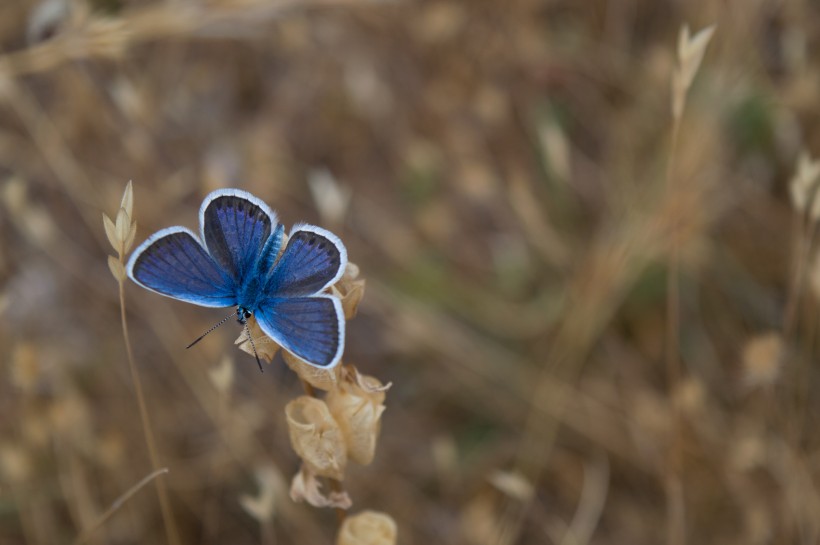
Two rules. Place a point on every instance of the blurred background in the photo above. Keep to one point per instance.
(505, 175)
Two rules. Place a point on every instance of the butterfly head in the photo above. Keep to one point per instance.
(242, 315)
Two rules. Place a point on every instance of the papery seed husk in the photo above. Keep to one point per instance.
(368, 528)
(316, 437)
(116, 267)
(123, 225)
(323, 379)
(127, 202)
(305, 487)
(358, 412)
(129, 241)
(111, 232)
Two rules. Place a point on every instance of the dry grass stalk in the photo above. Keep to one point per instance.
(121, 233)
(118, 503)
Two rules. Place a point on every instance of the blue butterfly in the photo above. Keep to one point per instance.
(234, 263)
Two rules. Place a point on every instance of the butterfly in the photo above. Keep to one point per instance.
(236, 262)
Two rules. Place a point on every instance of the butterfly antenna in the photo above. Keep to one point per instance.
(248, 333)
(225, 319)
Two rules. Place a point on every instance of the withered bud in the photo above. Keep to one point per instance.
(763, 357)
(305, 487)
(323, 379)
(316, 437)
(262, 506)
(368, 528)
(121, 231)
(350, 289)
(357, 405)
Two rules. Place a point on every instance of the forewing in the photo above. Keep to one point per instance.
(311, 328)
(313, 259)
(235, 226)
(172, 262)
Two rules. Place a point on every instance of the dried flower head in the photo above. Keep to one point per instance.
(306, 487)
(350, 289)
(316, 437)
(803, 185)
(763, 359)
(332, 198)
(512, 484)
(262, 506)
(121, 232)
(690, 54)
(368, 528)
(357, 405)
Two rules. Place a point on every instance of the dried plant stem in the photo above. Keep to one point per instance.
(119, 502)
(162, 493)
(804, 233)
(341, 514)
(676, 527)
(308, 387)
(795, 406)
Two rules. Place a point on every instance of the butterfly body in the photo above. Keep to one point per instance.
(239, 262)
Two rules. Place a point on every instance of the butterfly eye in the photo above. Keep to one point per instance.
(246, 314)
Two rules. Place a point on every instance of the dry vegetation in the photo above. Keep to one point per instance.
(599, 323)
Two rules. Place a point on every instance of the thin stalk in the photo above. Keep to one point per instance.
(162, 492)
(119, 502)
(800, 381)
(676, 527)
(804, 235)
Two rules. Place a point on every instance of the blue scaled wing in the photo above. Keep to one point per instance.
(235, 226)
(312, 260)
(173, 262)
(311, 328)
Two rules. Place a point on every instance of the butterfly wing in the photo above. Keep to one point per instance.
(311, 328)
(312, 260)
(173, 262)
(235, 226)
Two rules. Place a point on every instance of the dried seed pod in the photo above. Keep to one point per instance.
(316, 437)
(305, 487)
(324, 379)
(357, 405)
(368, 528)
(350, 289)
